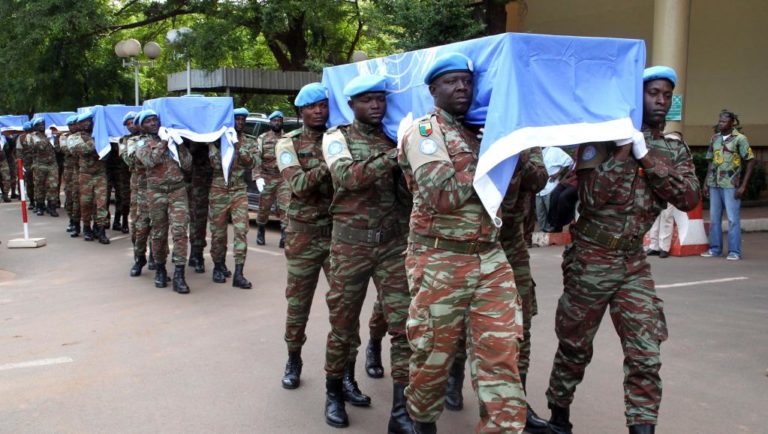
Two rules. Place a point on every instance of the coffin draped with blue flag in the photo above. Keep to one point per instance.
(107, 124)
(540, 90)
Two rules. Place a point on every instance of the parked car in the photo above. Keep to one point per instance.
(255, 125)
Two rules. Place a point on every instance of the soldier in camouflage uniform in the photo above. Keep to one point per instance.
(367, 243)
(92, 173)
(459, 278)
(271, 184)
(45, 169)
(228, 199)
(198, 190)
(27, 161)
(167, 194)
(308, 234)
(71, 176)
(139, 206)
(5, 172)
(622, 189)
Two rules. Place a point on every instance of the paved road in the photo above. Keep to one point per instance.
(84, 348)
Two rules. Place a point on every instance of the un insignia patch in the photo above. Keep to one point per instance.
(428, 147)
(286, 158)
(335, 148)
(589, 153)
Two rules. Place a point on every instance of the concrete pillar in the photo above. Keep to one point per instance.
(670, 44)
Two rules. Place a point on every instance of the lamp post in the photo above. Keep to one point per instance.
(175, 36)
(131, 49)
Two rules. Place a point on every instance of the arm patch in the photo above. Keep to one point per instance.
(286, 154)
(335, 147)
(421, 150)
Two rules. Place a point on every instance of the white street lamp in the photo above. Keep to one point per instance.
(176, 35)
(131, 49)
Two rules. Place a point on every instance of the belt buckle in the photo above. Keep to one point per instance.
(379, 236)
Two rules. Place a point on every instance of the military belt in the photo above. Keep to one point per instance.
(599, 236)
(322, 230)
(368, 236)
(467, 247)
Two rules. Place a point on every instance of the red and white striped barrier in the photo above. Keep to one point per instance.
(25, 242)
(689, 236)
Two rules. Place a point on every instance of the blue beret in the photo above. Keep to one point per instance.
(476, 116)
(276, 114)
(27, 126)
(37, 120)
(129, 117)
(84, 115)
(310, 94)
(242, 111)
(657, 72)
(451, 62)
(364, 84)
(71, 120)
(145, 114)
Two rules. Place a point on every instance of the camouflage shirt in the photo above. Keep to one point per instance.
(624, 199)
(438, 158)
(242, 160)
(43, 152)
(265, 164)
(300, 160)
(162, 169)
(362, 161)
(128, 145)
(727, 156)
(88, 159)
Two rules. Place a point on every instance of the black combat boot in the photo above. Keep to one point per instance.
(192, 257)
(139, 261)
(87, 232)
(31, 204)
(238, 280)
(642, 429)
(454, 399)
(281, 244)
(533, 423)
(161, 276)
(151, 264)
(292, 375)
(102, 234)
(124, 228)
(6, 199)
(71, 226)
(52, 209)
(352, 393)
(218, 272)
(424, 427)
(39, 209)
(227, 273)
(335, 413)
(260, 235)
(116, 224)
(179, 284)
(199, 262)
(75, 229)
(560, 422)
(399, 420)
(373, 366)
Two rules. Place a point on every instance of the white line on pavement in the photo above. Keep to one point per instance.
(702, 282)
(254, 249)
(120, 237)
(35, 363)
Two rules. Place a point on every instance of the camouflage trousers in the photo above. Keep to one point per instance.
(306, 254)
(198, 191)
(377, 325)
(72, 184)
(93, 198)
(47, 183)
(5, 175)
(594, 280)
(274, 189)
(29, 180)
(226, 204)
(119, 178)
(140, 220)
(352, 267)
(456, 293)
(168, 208)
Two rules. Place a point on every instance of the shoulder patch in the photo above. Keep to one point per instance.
(286, 154)
(425, 128)
(591, 155)
(335, 147)
(421, 150)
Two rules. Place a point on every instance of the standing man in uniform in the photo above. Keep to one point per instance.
(46, 170)
(28, 162)
(308, 234)
(367, 243)
(167, 193)
(229, 200)
(622, 188)
(72, 175)
(93, 182)
(726, 182)
(459, 278)
(268, 180)
(198, 191)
